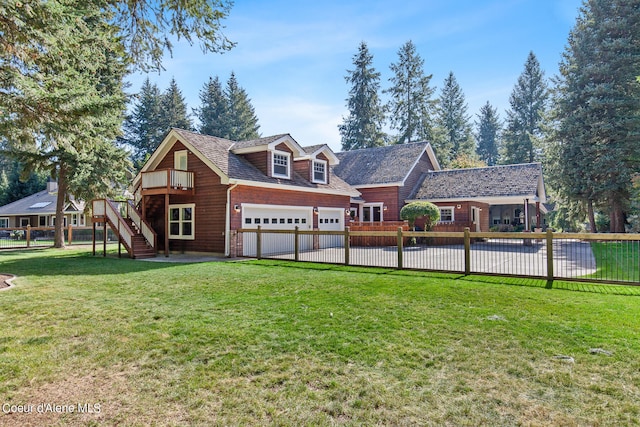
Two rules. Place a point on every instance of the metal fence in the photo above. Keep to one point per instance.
(41, 237)
(611, 258)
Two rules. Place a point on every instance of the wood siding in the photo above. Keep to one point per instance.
(210, 214)
(386, 195)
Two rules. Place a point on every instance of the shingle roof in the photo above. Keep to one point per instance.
(495, 181)
(257, 142)
(381, 165)
(218, 151)
(40, 203)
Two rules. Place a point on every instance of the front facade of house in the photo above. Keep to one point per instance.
(196, 190)
(39, 210)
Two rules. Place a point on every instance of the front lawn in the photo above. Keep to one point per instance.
(265, 342)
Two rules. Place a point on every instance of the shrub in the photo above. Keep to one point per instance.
(415, 210)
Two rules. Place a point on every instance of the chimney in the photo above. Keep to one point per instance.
(52, 186)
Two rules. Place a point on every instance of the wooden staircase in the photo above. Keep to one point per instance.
(139, 240)
(139, 245)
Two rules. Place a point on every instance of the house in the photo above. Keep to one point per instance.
(39, 210)
(195, 189)
(385, 177)
(481, 198)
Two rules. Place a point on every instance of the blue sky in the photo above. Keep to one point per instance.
(292, 56)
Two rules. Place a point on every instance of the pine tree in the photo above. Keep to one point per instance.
(411, 106)
(454, 136)
(212, 113)
(144, 128)
(525, 119)
(242, 123)
(62, 102)
(173, 109)
(598, 109)
(488, 134)
(362, 128)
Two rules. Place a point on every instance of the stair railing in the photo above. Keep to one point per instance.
(112, 213)
(150, 236)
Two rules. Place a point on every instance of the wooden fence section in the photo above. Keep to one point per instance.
(610, 258)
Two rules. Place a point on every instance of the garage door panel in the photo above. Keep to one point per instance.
(275, 218)
(330, 220)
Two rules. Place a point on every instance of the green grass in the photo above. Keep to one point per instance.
(265, 342)
(617, 260)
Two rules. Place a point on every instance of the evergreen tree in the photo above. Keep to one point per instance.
(173, 109)
(363, 127)
(525, 119)
(242, 123)
(144, 128)
(410, 106)
(454, 136)
(488, 135)
(598, 110)
(62, 66)
(212, 113)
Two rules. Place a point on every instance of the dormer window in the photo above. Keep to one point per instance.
(320, 171)
(281, 164)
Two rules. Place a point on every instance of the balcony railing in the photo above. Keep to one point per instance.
(170, 179)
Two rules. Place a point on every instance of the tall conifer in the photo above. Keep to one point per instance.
(410, 107)
(488, 134)
(362, 128)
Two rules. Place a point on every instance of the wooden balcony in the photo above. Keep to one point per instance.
(167, 181)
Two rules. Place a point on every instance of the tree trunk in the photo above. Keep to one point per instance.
(592, 216)
(58, 240)
(616, 217)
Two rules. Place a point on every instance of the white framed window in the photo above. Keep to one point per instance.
(182, 221)
(180, 160)
(74, 220)
(319, 172)
(4, 222)
(281, 164)
(42, 221)
(446, 214)
(372, 212)
(25, 222)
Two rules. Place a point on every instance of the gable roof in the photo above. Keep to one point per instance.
(388, 165)
(220, 155)
(40, 203)
(494, 185)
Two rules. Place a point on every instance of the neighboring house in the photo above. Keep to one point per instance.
(481, 198)
(203, 187)
(39, 210)
(385, 176)
(195, 191)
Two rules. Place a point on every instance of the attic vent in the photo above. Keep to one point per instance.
(39, 205)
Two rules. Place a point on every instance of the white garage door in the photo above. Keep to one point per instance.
(270, 217)
(331, 219)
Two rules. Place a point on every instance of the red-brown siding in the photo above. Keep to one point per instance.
(388, 196)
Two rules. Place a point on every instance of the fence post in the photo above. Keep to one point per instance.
(28, 235)
(120, 241)
(400, 263)
(296, 244)
(346, 245)
(467, 251)
(549, 256)
(259, 242)
(69, 234)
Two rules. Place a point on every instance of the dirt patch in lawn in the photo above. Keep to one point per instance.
(4, 280)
